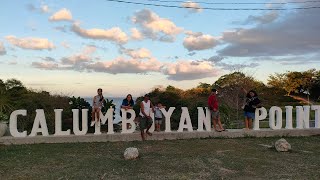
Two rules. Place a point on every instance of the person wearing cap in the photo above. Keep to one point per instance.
(145, 119)
(214, 110)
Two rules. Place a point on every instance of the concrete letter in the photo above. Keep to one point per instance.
(109, 117)
(167, 115)
(275, 111)
(13, 123)
(204, 119)
(58, 121)
(40, 119)
(76, 128)
(316, 109)
(260, 114)
(125, 121)
(185, 117)
(289, 117)
(303, 117)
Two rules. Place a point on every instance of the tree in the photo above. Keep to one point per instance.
(13, 83)
(293, 81)
(277, 80)
(204, 85)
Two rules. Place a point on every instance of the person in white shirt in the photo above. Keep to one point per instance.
(145, 119)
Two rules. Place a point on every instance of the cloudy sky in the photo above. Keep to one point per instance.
(74, 47)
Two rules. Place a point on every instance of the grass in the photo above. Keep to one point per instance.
(244, 158)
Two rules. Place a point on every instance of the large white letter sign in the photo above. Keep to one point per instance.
(109, 117)
(185, 117)
(58, 121)
(303, 117)
(204, 119)
(275, 111)
(167, 115)
(260, 114)
(125, 121)
(40, 119)
(316, 109)
(152, 128)
(13, 123)
(289, 117)
(76, 129)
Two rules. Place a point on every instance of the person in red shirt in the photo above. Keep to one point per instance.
(214, 109)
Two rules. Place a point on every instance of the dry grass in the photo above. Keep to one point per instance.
(243, 158)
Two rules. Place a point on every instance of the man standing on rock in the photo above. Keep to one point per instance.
(214, 110)
(145, 121)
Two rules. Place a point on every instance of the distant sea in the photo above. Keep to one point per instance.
(116, 100)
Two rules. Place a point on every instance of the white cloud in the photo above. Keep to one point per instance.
(122, 65)
(114, 34)
(65, 45)
(189, 70)
(45, 65)
(198, 41)
(2, 49)
(263, 19)
(192, 6)
(81, 58)
(155, 27)
(45, 9)
(137, 53)
(61, 15)
(48, 59)
(30, 43)
(136, 34)
(40, 9)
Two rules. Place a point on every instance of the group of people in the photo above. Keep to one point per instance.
(146, 107)
(249, 107)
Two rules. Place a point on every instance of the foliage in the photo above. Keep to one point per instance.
(4, 117)
(14, 95)
(299, 83)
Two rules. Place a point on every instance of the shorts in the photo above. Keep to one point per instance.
(215, 114)
(158, 120)
(145, 123)
(249, 115)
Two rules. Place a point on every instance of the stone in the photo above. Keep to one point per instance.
(3, 128)
(131, 153)
(282, 145)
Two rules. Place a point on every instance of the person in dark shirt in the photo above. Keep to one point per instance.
(127, 103)
(252, 102)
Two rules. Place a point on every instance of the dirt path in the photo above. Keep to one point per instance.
(302, 99)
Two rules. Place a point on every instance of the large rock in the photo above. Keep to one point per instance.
(282, 145)
(3, 128)
(131, 153)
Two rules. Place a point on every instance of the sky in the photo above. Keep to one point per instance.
(75, 47)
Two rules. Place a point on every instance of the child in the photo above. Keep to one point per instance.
(158, 116)
(97, 106)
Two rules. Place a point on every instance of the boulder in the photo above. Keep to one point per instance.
(3, 128)
(282, 145)
(131, 153)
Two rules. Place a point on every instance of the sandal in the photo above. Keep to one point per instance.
(149, 133)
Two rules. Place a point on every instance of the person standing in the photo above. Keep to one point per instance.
(145, 111)
(97, 106)
(251, 103)
(158, 116)
(214, 110)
